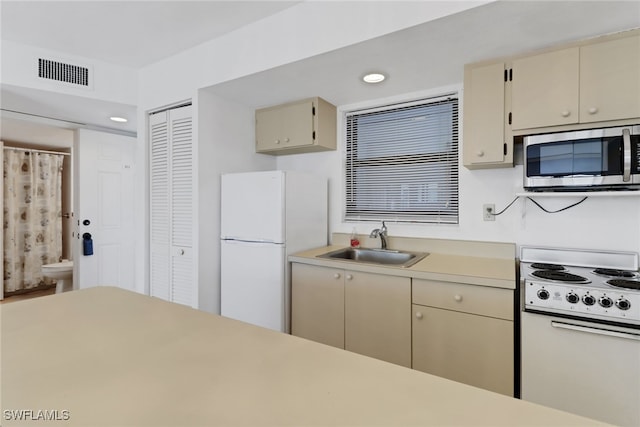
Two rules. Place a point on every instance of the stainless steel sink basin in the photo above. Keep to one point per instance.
(376, 256)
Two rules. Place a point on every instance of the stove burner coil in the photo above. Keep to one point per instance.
(625, 283)
(546, 266)
(559, 276)
(614, 273)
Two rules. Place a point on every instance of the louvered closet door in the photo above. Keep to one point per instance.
(172, 261)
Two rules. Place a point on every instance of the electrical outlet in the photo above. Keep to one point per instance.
(488, 211)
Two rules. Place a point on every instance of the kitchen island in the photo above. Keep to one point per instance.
(108, 357)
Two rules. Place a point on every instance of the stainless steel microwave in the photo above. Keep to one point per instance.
(585, 160)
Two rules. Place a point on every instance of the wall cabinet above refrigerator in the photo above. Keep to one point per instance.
(302, 126)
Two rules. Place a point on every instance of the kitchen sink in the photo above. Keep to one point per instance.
(376, 256)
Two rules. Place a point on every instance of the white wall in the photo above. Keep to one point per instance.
(611, 223)
(225, 135)
(225, 130)
(108, 82)
(225, 144)
(302, 31)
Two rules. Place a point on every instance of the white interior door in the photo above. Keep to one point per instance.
(172, 214)
(104, 194)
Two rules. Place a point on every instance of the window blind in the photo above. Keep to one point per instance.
(402, 162)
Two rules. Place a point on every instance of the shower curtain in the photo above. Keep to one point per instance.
(32, 217)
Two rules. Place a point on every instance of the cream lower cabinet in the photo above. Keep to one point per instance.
(317, 304)
(464, 333)
(377, 317)
(360, 312)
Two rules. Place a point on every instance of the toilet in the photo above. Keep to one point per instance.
(62, 272)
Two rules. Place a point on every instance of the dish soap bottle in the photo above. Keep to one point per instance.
(355, 243)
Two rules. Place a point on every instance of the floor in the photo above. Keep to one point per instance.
(28, 295)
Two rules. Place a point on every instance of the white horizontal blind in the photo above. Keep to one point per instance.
(402, 162)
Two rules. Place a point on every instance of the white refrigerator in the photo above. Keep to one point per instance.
(265, 216)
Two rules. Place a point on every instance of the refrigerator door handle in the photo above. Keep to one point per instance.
(245, 241)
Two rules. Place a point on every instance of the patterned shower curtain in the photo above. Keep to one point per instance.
(32, 217)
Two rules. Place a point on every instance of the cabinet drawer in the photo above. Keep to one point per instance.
(482, 300)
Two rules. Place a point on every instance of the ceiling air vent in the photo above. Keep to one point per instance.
(62, 72)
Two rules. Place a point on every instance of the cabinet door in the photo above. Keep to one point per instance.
(285, 127)
(297, 123)
(268, 129)
(484, 117)
(545, 89)
(610, 80)
(317, 304)
(467, 348)
(378, 316)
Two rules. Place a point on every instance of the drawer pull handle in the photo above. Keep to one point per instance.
(458, 298)
(418, 315)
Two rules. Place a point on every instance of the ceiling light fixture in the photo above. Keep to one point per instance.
(118, 119)
(373, 78)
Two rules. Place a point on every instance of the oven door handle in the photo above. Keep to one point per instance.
(599, 331)
(626, 147)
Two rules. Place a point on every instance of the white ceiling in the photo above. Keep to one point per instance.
(433, 55)
(128, 33)
(419, 58)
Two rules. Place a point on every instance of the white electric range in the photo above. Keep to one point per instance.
(580, 332)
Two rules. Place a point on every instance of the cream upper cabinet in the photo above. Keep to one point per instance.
(317, 304)
(297, 127)
(377, 316)
(464, 333)
(545, 89)
(593, 82)
(487, 142)
(610, 80)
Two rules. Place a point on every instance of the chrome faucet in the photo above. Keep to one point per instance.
(382, 232)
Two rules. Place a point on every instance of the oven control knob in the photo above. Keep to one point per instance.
(623, 304)
(543, 294)
(588, 299)
(605, 302)
(572, 297)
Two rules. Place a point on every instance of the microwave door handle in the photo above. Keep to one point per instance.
(626, 147)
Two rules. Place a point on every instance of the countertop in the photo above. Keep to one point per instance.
(475, 270)
(110, 357)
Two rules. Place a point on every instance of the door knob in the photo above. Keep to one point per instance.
(419, 315)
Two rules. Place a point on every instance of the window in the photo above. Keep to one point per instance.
(402, 162)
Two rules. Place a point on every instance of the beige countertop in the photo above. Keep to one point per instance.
(476, 270)
(110, 357)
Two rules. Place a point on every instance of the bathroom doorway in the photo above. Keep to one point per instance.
(37, 214)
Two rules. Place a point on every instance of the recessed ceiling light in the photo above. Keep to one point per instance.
(118, 119)
(374, 78)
